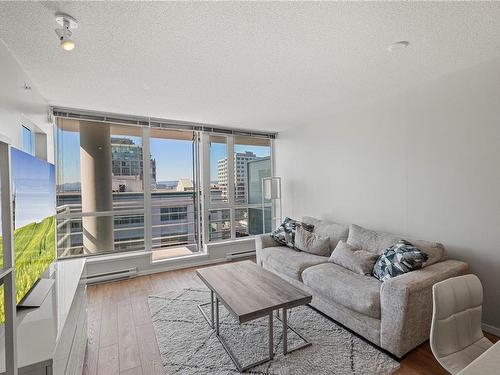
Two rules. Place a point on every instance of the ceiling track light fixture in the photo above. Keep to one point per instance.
(64, 33)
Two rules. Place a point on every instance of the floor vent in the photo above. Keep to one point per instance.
(108, 276)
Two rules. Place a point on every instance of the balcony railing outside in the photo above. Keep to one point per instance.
(172, 221)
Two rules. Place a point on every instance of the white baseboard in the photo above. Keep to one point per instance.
(491, 329)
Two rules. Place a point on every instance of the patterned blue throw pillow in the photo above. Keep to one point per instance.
(285, 233)
(398, 259)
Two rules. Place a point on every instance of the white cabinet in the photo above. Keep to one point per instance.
(52, 338)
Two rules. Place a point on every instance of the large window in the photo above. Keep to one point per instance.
(236, 166)
(219, 227)
(28, 140)
(174, 193)
(100, 188)
(135, 187)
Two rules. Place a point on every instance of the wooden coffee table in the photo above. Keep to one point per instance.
(250, 292)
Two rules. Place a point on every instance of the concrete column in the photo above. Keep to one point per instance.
(96, 185)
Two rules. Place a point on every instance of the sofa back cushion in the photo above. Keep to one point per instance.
(311, 242)
(285, 233)
(370, 240)
(377, 242)
(396, 260)
(434, 250)
(356, 260)
(336, 232)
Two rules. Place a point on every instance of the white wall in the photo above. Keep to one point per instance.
(19, 106)
(424, 164)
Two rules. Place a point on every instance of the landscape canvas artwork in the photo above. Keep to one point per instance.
(33, 203)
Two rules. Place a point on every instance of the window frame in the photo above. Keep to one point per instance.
(146, 209)
(201, 168)
(230, 204)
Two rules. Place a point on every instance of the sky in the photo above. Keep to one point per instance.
(34, 186)
(68, 149)
(174, 158)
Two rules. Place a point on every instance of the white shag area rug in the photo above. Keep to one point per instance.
(188, 345)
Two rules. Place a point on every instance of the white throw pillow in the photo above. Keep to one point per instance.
(356, 260)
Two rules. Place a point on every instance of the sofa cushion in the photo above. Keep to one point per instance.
(285, 233)
(370, 240)
(289, 262)
(356, 260)
(434, 250)
(336, 232)
(398, 259)
(338, 284)
(311, 242)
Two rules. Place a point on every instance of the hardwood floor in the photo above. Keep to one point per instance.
(121, 337)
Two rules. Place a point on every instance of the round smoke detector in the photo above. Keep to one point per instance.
(398, 46)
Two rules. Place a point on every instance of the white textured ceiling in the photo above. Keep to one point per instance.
(268, 66)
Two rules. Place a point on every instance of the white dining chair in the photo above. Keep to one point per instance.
(456, 336)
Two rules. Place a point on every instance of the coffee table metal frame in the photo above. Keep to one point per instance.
(213, 323)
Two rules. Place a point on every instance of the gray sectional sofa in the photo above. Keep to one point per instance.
(395, 314)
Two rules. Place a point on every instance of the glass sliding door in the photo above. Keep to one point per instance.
(174, 193)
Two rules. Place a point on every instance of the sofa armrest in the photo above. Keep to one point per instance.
(406, 305)
(265, 240)
(261, 242)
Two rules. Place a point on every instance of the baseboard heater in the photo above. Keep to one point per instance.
(114, 275)
(240, 254)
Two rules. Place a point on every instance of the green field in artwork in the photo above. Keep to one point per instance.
(34, 246)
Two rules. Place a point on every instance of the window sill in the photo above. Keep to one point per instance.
(180, 259)
(114, 257)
